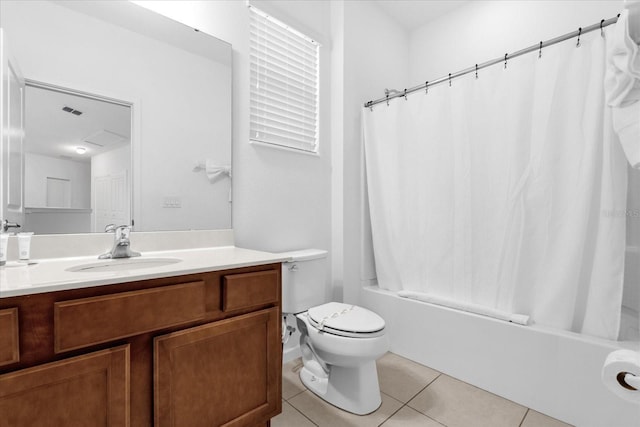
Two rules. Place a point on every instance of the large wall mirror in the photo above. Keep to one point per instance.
(112, 114)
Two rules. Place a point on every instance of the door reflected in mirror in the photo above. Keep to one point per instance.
(173, 84)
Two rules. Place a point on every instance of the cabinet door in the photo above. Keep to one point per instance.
(88, 390)
(225, 373)
(9, 341)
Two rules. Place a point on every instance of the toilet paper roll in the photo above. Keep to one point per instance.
(616, 367)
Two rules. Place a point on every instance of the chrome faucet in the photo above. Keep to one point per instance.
(121, 244)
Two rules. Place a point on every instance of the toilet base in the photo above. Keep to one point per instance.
(353, 389)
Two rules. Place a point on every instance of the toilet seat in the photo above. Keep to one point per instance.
(346, 320)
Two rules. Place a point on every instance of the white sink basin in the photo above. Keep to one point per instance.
(123, 264)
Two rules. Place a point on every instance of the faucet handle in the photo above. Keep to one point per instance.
(122, 232)
(111, 228)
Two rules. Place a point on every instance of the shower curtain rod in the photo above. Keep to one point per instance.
(505, 58)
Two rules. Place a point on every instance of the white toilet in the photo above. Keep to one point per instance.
(339, 342)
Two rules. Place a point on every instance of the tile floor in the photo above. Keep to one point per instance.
(412, 395)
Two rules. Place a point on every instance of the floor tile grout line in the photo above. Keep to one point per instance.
(303, 414)
(421, 390)
(434, 420)
(524, 417)
(405, 405)
(298, 393)
(387, 419)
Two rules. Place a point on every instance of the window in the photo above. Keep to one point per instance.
(284, 84)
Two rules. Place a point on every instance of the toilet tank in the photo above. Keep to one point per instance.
(303, 280)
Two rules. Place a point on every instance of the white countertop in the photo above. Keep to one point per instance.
(50, 275)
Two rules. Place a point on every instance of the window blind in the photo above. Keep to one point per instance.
(284, 84)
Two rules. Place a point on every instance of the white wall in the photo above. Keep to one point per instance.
(37, 168)
(177, 113)
(484, 30)
(376, 56)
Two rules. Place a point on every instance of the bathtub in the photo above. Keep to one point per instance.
(551, 371)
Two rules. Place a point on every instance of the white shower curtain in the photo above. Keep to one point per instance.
(507, 191)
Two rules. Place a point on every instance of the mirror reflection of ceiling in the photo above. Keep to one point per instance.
(177, 83)
(52, 130)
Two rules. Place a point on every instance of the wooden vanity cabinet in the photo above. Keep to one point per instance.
(194, 350)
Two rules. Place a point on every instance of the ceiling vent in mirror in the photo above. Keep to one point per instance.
(71, 110)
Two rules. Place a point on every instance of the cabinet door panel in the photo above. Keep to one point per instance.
(9, 347)
(88, 390)
(226, 373)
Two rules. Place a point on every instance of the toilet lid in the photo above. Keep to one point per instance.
(346, 318)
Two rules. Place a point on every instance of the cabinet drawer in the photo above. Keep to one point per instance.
(9, 347)
(250, 290)
(87, 321)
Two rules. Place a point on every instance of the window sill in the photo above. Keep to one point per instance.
(284, 148)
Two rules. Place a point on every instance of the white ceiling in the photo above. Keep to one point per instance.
(411, 14)
(53, 132)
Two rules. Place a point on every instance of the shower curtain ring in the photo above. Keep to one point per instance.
(426, 87)
(449, 79)
(371, 106)
(387, 99)
(579, 33)
(540, 51)
(405, 94)
(601, 29)
(476, 71)
(506, 55)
